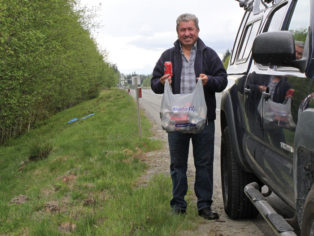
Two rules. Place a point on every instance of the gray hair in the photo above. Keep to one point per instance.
(187, 17)
(299, 44)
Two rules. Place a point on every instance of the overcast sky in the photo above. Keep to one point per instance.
(135, 33)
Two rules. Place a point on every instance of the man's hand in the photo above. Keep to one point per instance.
(262, 88)
(204, 78)
(164, 78)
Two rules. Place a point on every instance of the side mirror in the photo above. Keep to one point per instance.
(275, 49)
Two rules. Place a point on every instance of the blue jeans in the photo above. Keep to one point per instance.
(203, 151)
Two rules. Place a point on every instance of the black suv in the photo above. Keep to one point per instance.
(267, 115)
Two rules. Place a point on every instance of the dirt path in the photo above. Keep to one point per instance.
(158, 162)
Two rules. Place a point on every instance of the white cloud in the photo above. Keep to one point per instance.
(155, 41)
(135, 33)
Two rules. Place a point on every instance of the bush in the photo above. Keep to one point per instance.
(48, 62)
(40, 150)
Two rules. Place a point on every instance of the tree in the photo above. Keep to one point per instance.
(226, 58)
(48, 62)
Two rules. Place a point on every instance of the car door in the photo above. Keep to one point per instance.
(254, 86)
(280, 92)
(242, 61)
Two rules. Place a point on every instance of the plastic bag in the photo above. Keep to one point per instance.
(186, 113)
(276, 114)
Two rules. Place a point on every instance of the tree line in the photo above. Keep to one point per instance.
(48, 62)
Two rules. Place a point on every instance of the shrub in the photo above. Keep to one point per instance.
(40, 150)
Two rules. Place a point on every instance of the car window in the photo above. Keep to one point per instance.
(275, 21)
(247, 41)
(234, 50)
(299, 26)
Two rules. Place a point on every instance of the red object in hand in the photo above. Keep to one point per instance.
(168, 68)
(289, 93)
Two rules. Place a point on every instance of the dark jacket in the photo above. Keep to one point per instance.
(254, 80)
(281, 90)
(206, 62)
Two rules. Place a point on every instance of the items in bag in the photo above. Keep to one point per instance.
(278, 114)
(187, 122)
(183, 112)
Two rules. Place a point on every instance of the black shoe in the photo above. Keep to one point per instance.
(178, 211)
(208, 214)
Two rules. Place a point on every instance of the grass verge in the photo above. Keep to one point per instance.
(80, 178)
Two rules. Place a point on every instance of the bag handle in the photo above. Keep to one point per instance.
(198, 86)
(167, 87)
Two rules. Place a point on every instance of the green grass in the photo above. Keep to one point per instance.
(84, 181)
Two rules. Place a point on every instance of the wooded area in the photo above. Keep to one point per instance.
(48, 62)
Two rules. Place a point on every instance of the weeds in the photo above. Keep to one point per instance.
(87, 185)
(40, 150)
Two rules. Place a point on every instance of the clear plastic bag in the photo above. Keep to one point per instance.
(276, 114)
(186, 113)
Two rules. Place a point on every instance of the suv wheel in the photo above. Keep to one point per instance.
(234, 179)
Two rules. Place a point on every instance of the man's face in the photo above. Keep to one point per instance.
(187, 33)
(298, 52)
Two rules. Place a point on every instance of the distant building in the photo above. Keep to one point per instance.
(134, 78)
(123, 81)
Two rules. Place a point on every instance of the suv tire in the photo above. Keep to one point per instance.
(234, 179)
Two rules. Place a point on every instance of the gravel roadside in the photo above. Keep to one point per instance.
(158, 162)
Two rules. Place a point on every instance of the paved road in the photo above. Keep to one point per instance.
(150, 103)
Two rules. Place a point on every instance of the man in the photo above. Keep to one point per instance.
(299, 49)
(192, 59)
